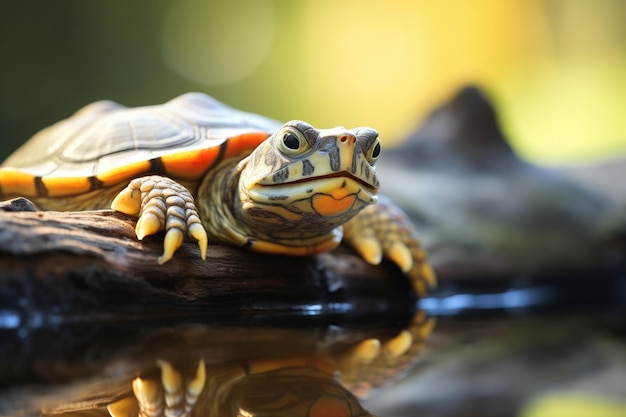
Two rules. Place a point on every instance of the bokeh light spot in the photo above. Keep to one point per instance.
(218, 42)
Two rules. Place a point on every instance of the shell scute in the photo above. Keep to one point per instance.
(127, 130)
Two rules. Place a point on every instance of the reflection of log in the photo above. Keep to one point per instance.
(77, 262)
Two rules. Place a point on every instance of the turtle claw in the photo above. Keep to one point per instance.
(128, 201)
(366, 351)
(148, 224)
(173, 240)
(358, 356)
(398, 346)
(173, 385)
(427, 273)
(400, 254)
(170, 377)
(370, 249)
(197, 232)
(149, 397)
(126, 407)
(196, 385)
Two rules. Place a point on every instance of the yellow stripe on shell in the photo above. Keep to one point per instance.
(15, 182)
(60, 186)
(123, 173)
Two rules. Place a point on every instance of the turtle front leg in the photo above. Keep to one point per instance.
(383, 229)
(162, 204)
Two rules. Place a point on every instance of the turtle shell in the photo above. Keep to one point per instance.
(105, 143)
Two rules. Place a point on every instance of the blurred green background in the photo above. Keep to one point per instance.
(556, 69)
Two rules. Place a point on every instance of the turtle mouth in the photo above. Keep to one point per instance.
(340, 191)
(344, 174)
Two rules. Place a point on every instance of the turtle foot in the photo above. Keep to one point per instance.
(168, 397)
(162, 204)
(373, 363)
(382, 229)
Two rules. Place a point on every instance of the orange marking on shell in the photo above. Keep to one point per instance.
(60, 186)
(190, 165)
(327, 205)
(327, 406)
(14, 182)
(126, 172)
(245, 142)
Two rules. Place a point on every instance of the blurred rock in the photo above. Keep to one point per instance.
(484, 212)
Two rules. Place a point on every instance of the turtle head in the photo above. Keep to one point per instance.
(305, 181)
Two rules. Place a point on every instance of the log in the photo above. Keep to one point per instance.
(76, 264)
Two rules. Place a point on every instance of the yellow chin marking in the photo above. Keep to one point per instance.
(329, 205)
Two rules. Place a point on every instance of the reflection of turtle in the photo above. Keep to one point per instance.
(314, 385)
(290, 192)
(296, 387)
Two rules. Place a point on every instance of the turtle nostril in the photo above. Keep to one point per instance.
(347, 139)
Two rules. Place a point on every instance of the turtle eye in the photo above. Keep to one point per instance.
(291, 142)
(374, 151)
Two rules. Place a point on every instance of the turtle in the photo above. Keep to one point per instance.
(195, 166)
